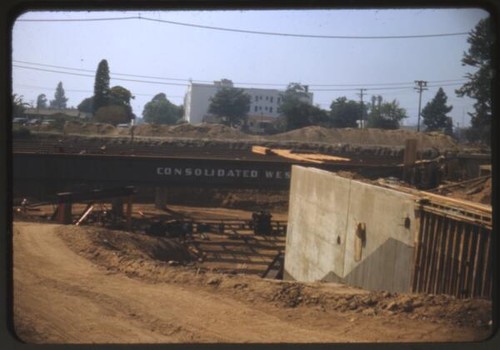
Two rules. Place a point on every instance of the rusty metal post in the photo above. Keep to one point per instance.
(64, 208)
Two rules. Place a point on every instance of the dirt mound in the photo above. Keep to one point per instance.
(82, 128)
(378, 137)
(111, 248)
(305, 136)
(202, 131)
(146, 258)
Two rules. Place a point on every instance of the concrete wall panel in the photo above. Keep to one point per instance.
(324, 213)
(318, 225)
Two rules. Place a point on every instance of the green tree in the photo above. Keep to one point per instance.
(230, 106)
(18, 106)
(385, 115)
(87, 105)
(59, 101)
(296, 109)
(478, 86)
(41, 101)
(161, 111)
(345, 113)
(120, 96)
(434, 113)
(101, 86)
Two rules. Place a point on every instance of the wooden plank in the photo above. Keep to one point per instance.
(444, 262)
(261, 150)
(432, 256)
(417, 260)
(453, 257)
(477, 267)
(463, 203)
(86, 213)
(487, 267)
(467, 265)
(305, 157)
(437, 255)
(426, 251)
(462, 246)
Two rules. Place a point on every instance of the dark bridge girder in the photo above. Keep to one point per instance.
(161, 171)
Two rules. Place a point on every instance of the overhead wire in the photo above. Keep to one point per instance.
(255, 32)
(349, 86)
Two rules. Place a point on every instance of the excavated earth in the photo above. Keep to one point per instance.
(308, 137)
(94, 285)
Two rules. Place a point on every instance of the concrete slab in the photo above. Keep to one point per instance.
(322, 240)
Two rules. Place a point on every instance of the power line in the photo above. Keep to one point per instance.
(378, 86)
(245, 31)
(384, 84)
(25, 86)
(93, 71)
(92, 76)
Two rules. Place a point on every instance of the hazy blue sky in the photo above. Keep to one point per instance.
(332, 67)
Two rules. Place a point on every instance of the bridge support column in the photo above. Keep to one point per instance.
(160, 198)
(117, 206)
(129, 213)
(64, 206)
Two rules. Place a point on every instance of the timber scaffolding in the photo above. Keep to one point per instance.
(453, 249)
(453, 246)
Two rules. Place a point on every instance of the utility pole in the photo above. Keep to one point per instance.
(362, 123)
(421, 86)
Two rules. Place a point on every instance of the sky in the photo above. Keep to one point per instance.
(335, 52)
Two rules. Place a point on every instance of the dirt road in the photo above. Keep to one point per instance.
(62, 297)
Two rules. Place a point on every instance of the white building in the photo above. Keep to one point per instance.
(264, 102)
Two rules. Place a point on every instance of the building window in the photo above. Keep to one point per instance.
(271, 109)
(265, 108)
(267, 98)
(271, 98)
(278, 100)
(255, 110)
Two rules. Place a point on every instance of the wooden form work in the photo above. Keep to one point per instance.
(453, 251)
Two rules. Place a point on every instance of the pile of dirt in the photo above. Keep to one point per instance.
(311, 134)
(82, 128)
(151, 259)
(374, 137)
(115, 248)
(202, 131)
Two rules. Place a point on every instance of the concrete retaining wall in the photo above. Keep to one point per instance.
(324, 239)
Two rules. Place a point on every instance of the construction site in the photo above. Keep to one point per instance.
(202, 234)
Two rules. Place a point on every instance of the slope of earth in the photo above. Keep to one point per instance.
(311, 134)
(74, 285)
